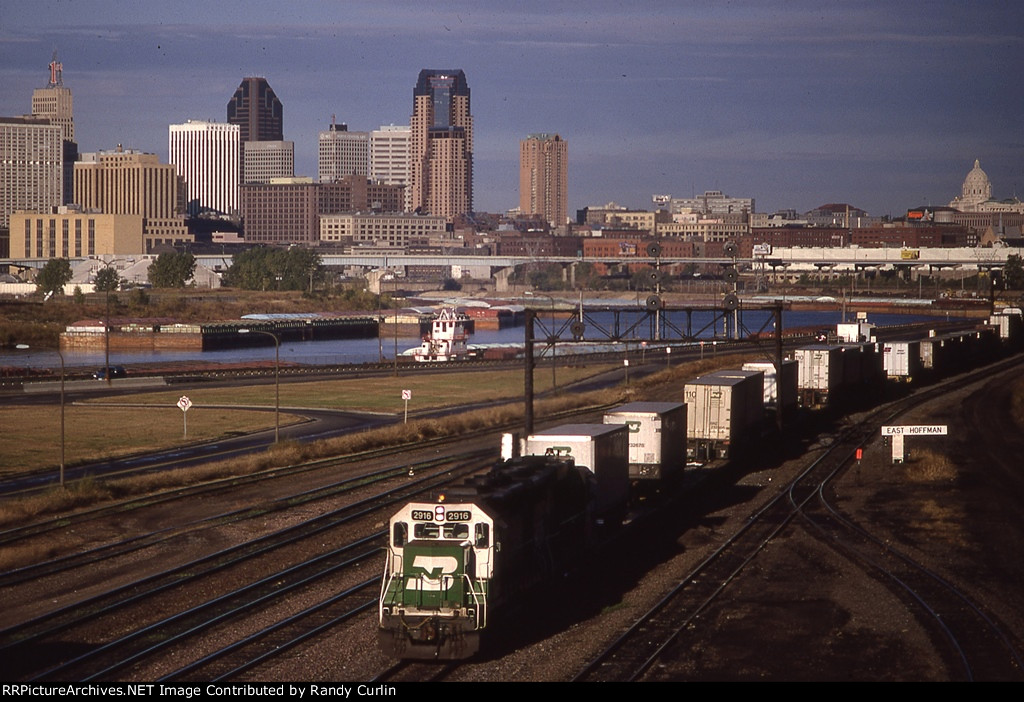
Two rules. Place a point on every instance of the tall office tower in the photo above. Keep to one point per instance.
(343, 153)
(264, 160)
(55, 104)
(133, 182)
(544, 177)
(441, 144)
(206, 154)
(256, 110)
(389, 157)
(31, 166)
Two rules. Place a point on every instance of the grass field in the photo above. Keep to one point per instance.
(376, 394)
(100, 429)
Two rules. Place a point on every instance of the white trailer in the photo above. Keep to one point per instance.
(601, 448)
(820, 378)
(722, 411)
(657, 437)
(772, 387)
(902, 360)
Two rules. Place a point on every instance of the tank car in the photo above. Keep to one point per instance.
(459, 562)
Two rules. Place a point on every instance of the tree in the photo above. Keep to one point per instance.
(1013, 273)
(53, 276)
(172, 270)
(262, 268)
(107, 280)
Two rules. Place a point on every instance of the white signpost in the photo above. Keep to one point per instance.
(184, 403)
(406, 396)
(898, 432)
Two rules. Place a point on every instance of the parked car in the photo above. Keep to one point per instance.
(115, 372)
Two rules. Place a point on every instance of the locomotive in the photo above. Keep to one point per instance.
(453, 563)
(456, 563)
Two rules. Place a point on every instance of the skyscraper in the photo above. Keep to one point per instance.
(343, 153)
(206, 154)
(441, 144)
(389, 158)
(31, 166)
(256, 110)
(544, 177)
(54, 103)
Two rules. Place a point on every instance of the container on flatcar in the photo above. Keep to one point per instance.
(657, 437)
(773, 389)
(601, 448)
(722, 411)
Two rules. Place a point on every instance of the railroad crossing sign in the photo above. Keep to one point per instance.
(184, 403)
(898, 432)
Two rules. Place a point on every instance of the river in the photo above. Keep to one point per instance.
(345, 351)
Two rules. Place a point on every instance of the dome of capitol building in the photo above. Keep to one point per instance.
(977, 189)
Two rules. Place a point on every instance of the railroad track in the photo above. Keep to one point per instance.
(631, 655)
(38, 649)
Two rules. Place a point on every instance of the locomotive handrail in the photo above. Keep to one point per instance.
(479, 601)
(385, 586)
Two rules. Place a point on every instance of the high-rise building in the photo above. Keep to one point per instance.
(132, 182)
(544, 177)
(343, 153)
(31, 166)
(441, 144)
(264, 160)
(287, 210)
(256, 110)
(389, 157)
(54, 103)
(206, 154)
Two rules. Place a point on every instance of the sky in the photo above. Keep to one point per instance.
(882, 105)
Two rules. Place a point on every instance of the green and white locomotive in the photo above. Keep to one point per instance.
(456, 563)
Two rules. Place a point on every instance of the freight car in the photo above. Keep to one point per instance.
(657, 438)
(457, 563)
(722, 409)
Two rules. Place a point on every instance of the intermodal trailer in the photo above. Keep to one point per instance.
(902, 360)
(601, 448)
(657, 437)
(777, 392)
(722, 411)
(820, 377)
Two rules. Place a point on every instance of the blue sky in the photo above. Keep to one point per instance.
(882, 105)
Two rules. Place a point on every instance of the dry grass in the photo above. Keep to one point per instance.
(95, 433)
(928, 466)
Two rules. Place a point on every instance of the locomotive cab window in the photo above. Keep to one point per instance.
(483, 535)
(456, 530)
(426, 531)
(400, 534)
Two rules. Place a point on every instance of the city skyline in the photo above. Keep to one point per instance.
(884, 107)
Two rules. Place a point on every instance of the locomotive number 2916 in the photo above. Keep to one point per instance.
(426, 515)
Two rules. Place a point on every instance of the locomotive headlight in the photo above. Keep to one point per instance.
(439, 513)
